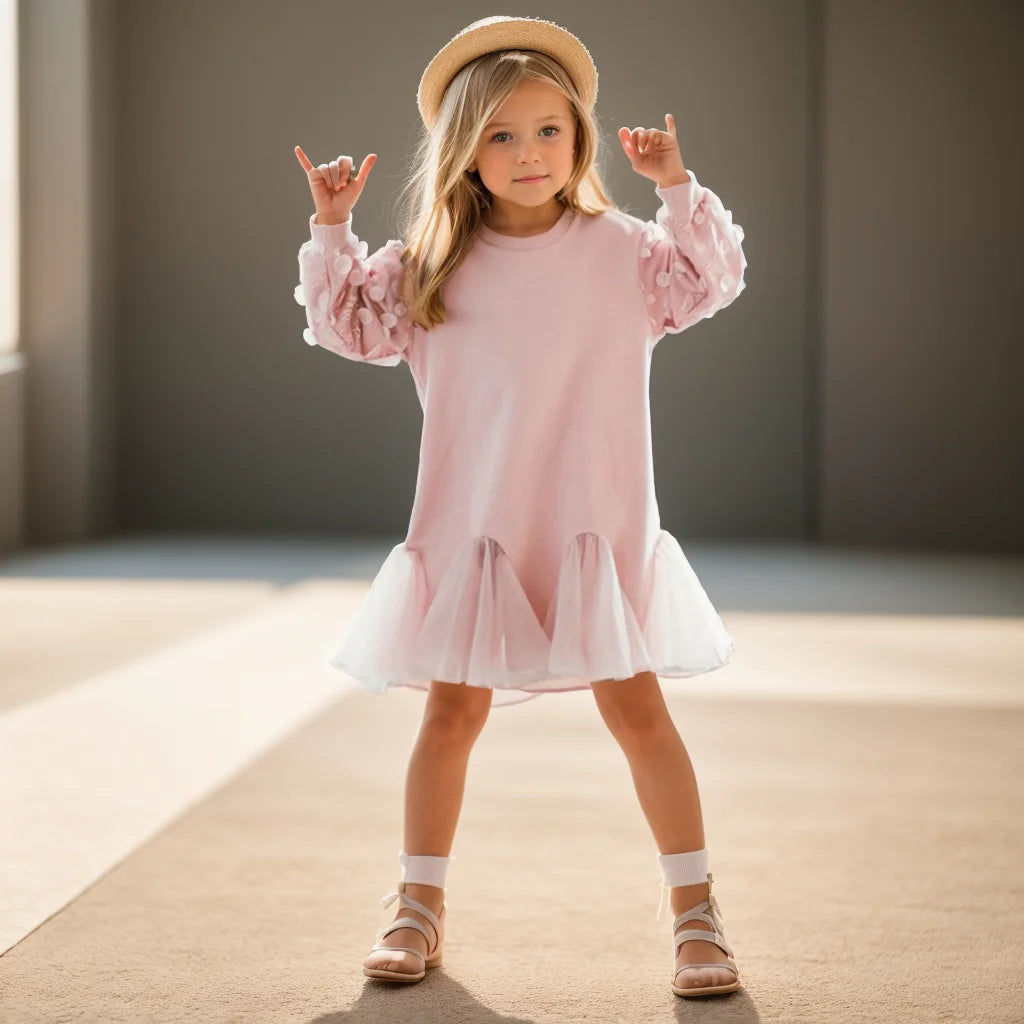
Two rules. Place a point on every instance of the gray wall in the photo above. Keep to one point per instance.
(57, 476)
(862, 389)
(922, 438)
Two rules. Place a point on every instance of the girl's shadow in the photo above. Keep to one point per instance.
(439, 999)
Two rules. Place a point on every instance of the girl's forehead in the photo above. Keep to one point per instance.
(534, 99)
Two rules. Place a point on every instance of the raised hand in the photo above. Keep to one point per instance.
(655, 153)
(335, 191)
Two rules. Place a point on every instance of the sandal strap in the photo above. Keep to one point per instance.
(402, 949)
(698, 935)
(729, 966)
(713, 916)
(407, 901)
(410, 922)
(697, 913)
(405, 922)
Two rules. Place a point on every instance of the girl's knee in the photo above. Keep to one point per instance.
(633, 709)
(456, 709)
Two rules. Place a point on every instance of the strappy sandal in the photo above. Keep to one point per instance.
(714, 918)
(434, 952)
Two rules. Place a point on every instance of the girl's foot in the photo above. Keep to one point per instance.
(402, 960)
(695, 951)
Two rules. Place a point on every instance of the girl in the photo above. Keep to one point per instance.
(527, 307)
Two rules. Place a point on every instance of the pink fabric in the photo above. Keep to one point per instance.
(534, 560)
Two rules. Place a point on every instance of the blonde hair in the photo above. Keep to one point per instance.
(442, 202)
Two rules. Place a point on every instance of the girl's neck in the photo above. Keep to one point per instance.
(521, 221)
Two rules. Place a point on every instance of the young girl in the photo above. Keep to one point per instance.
(527, 307)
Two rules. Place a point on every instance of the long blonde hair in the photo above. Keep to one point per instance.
(442, 203)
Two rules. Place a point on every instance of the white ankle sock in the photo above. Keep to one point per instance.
(684, 868)
(681, 869)
(424, 870)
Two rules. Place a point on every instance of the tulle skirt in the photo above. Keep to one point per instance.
(481, 629)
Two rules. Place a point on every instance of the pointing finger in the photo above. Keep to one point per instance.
(303, 159)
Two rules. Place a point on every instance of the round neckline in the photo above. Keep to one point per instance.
(538, 241)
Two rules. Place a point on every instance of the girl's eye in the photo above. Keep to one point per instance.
(552, 127)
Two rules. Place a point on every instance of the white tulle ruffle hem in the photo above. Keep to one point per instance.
(481, 629)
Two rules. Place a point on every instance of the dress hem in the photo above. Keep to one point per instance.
(480, 629)
(424, 686)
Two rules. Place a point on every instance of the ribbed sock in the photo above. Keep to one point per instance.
(424, 870)
(684, 868)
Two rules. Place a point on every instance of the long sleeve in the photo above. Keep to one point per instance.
(351, 299)
(691, 260)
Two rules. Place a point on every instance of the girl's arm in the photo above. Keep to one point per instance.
(691, 260)
(351, 299)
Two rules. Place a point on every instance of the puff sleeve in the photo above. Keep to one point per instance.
(691, 259)
(351, 299)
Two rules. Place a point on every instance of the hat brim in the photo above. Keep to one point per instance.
(504, 33)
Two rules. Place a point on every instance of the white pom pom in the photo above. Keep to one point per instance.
(300, 295)
(307, 336)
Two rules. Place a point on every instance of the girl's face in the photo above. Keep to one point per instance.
(532, 135)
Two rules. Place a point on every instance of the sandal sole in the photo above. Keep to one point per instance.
(707, 991)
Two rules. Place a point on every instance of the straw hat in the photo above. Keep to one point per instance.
(504, 33)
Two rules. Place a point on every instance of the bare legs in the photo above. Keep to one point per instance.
(435, 782)
(634, 711)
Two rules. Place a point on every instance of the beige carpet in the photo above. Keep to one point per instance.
(206, 816)
(867, 859)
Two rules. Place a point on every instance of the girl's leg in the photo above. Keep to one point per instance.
(453, 717)
(636, 715)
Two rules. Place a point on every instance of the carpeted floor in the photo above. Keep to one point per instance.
(867, 858)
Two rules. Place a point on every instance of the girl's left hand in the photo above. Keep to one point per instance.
(654, 153)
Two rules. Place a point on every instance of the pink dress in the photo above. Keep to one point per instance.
(534, 561)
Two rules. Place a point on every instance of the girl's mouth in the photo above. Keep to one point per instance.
(530, 181)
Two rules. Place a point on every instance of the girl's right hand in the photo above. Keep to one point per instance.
(334, 192)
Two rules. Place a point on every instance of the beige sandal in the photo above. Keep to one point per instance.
(714, 918)
(433, 956)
